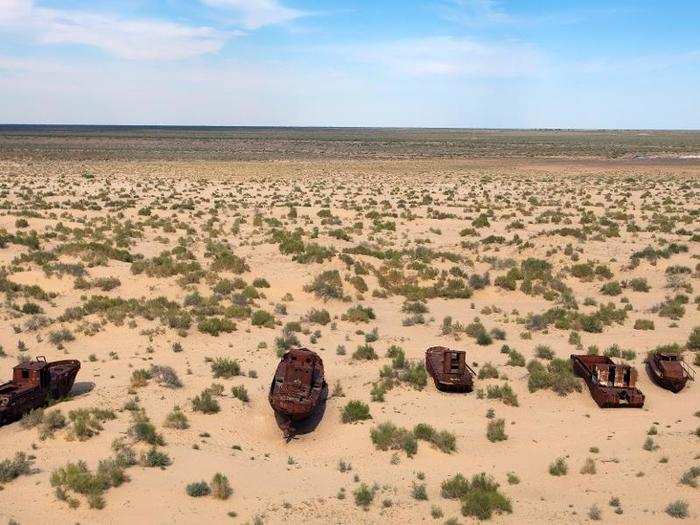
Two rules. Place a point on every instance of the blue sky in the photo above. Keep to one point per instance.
(452, 63)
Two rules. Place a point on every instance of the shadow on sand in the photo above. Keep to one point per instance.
(305, 426)
(82, 387)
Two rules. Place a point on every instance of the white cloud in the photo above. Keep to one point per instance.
(254, 14)
(136, 39)
(449, 56)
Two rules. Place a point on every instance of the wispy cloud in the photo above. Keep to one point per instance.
(495, 13)
(254, 14)
(450, 56)
(129, 38)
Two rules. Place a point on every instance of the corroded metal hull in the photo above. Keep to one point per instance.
(611, 385)
(449, 369)
(34, 385)
(298, 387)
(667, 371)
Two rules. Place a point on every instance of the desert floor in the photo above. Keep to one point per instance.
(415, 241)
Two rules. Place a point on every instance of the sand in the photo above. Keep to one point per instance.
(299, 482)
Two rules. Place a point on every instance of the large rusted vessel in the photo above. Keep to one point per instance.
(298, 388)
(33, 384)
(449, 369)
(611, 384)
(668, 370)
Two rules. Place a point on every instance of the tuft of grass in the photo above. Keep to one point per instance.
(677, 509)
(225, 368)
(205, 403)
(10, 469)
(220, 487)
(355, 411)
(364, 495)
(240, 392)
(387, 436)
(495, 430)
(559, 467)
(198, 489)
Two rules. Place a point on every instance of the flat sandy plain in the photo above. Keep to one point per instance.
(125, 250)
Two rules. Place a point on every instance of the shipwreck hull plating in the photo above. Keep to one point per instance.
(611, 385)
(668, 371)
(34, 384)
(449, 369)
(297, 388)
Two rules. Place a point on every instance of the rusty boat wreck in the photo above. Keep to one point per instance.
(34, 384)
(449, 369)
(298, 389)
(669, 371)
(611, 384)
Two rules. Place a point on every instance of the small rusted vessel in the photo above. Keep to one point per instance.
(611, 384)
(298, 388)
(669, 371)
(449, 369)
(33, 384)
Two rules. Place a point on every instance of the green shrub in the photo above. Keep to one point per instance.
(198, 489)
(327, 285)
(694, 339)
(488, 371)
(644, 324)
(154, 458)
(544, 352)
(559, 467)
(220, 487)
(263, 318)
(364, 496)
(205, 403)
(355, 411)
(388, 436)
(321, 317)
(176, 419)
(419, 492)
(215, 325)
(358, 314)
(240, 392)
(11, 469)
(415, 374)
(365, 352)
(495, 430)
(480, 497)
(677, 509)
(504, 393)
(225, 367)
(611, 288)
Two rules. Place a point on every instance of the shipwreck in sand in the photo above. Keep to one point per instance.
(34, 384)
(449, 369)
(298, 389)
(611, 384)
(669, 371)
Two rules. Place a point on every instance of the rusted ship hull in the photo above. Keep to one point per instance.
(668, 374)
(604, 390)
(449, 370)
(297, 388)
(34, 385)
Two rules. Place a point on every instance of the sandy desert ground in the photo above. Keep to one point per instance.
(173, 281)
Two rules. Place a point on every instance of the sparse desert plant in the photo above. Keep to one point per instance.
(10, 469)
(220, 487)
(176, 419)
(198, 489)
(558, 467)
(495, 430)
(205, 403)
(240, 392)
(225, 368)
(355, 411)
(677, 509)
(364, 495)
